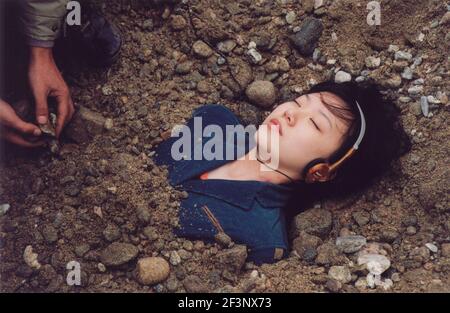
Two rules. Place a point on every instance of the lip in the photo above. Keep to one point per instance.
(275, 122)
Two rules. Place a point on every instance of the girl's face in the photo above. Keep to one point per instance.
(307, 130)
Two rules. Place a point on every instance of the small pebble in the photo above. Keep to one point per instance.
(4, 208)
(424, 106)
(431, 247)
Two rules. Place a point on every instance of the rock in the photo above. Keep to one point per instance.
(223, 239)
(277, 64)
(50, 233)
(373, 62)
(172, 284)
(424, 106)
(174, 258)
(107, 90)
(264, 41)
(392, 82)
(118, 253)
(101, 267)
(350, 244)
(290, 17)
(84, 125)
(143, 214)
(389, 234)
(151, 233)
(415, 90)
(109, 124)
(361, 217)
(328, 254)
(410, 220)
(333, 285)
(194, 284)
(305, 40)
(111, 232)
(152, 270)
(148, 25)
(342, 77)
(255, 56)
(308, 5)
(419, 256)
(201, 49)
(411, 230)
(407, 73)
(401, 55)
(177, 22)
(445, 247)
(261, 93)
(393, 48)
(226, 46)
(318, 4)
(81, 249)
(232, 259)
(4, 208)
(340, 273)
(433, 248)
(31, 258)
(361, 283)
(184, 67)
(306, 246)
(376, 264)
(241, 72)
(315, 222)
(445, 19)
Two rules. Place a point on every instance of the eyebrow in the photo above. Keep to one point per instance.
(321, 112)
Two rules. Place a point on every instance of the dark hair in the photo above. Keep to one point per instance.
(383, 142)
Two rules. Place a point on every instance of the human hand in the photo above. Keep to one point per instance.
(15, 130)
(46, 80)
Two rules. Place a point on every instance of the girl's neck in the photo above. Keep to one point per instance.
(248, 167)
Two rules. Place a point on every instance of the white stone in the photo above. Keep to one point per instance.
(424, 106)
(318, 4)
(31, 258)
(175, 258)
(340, 273)
(373, 62)
(407, 73)
(255, 55)
(342, 77)
(415, 90)
(393, 48)
(376, 264)
(431, 247)
(4, 208)
(402, 55)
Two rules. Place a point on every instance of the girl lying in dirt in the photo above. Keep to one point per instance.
(336, 137)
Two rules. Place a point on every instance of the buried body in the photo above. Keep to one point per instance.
(333, 127)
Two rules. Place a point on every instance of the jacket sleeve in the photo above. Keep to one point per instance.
(42, 20)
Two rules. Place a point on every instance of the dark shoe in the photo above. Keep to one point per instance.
(96, 39)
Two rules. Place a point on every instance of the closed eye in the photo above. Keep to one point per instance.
(317, 127)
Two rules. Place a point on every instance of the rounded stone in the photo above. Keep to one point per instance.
(152, 270)
(261, 93)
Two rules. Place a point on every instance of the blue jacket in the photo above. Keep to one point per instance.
(250, 212)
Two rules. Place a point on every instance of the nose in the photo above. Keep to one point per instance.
(289, 117)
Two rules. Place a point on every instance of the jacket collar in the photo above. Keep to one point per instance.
(242, 194)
